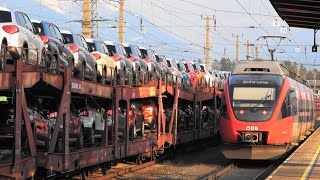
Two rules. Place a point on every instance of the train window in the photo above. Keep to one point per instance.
(293, 101)
(286, 108)
(250, 96)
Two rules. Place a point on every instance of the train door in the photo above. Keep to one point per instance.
(294, 112)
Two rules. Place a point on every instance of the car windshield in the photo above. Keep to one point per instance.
(144, 53)
(197, 66)
(128, 50)
(257, 96)
(38, 25)
(68, 37)
(190, 67)
(112, 50)
(91, 46)
(5, 16)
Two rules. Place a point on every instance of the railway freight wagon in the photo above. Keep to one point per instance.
(266, 111)
(53, 123)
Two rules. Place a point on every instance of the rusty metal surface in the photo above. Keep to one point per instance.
(53, 80)
(91, 88)
(186, 95)
(139, 92)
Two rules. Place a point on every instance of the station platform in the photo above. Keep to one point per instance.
(304, 163)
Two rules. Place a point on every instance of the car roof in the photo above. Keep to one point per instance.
(65, 31)
(109, 42)
(141, 47)
(89, 40)
(125, 44)
(4, 9)
(35, 21)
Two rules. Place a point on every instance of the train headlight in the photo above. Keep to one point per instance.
(254, 137)
(248, 137)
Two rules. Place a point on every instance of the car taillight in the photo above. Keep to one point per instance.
(53, 115)
(44, 39)
(75, 123)
(84, 113)
(147, 59)
(132, 59)
(11, 110)
(241, 112)
(11, 29)
(43, 124)
(74, 48)
(116, 58)
(109, 112)
(96, 55)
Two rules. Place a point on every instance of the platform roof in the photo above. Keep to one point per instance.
(299, 13)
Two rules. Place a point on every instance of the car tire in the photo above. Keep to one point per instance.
(80, 139)
(24, 55)
(3, 55)
(43, 59)
(91, 138)
(53, 65)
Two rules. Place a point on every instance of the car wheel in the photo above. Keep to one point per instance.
(80, 138)
(3, 56)
(24, 55)
(91, 136)
(43, 61)
(53, 66)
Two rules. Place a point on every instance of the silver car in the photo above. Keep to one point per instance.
(18, 38)
(92, 116)
(85, 65)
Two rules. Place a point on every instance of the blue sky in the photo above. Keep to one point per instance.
(175, 27)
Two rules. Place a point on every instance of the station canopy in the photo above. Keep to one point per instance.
(299, 13)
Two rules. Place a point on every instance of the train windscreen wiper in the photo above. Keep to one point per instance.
(254, 108)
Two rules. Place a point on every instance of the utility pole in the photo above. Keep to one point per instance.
(248, 50)
(257, 53)
(237, 46)
(86, 19)
(121, 22)
(207, 47)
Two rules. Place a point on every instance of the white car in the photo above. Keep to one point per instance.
(92, 115)
(18, 37)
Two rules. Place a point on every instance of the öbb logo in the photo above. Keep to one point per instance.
(252, 128)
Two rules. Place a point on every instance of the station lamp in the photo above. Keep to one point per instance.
(314, 48)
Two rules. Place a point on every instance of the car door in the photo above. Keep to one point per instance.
(96, 113)
(35, 47)
(63, 49)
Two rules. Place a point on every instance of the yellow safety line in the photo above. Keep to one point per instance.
(306, 172)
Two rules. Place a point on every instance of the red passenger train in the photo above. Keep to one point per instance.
(265, 112)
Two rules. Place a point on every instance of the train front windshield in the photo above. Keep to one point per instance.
(253, 97)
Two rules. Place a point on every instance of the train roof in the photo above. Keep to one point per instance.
(265, 67)
(258, 67)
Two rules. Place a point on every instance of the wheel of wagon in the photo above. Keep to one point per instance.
(53, 65)
(3, 56)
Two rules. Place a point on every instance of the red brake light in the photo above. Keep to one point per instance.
(44, 39)
(241, 112)
(116, 58)
(96, 55)
(147, 59)
(109, 112)
(264, 112)
(132, 59)
(74, 48)
(53, 115)
(11, 29)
